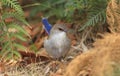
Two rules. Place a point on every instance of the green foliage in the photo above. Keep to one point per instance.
(49, 8)
(11, 32)
(92, 10)
(13, 4)
(98, 18)
(61, 9)
(96, 13)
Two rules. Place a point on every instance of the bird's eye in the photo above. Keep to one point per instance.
(60, 29)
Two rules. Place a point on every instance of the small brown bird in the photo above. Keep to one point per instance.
(58, 44)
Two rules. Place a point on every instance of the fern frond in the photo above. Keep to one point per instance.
(5, 47)
(17, 27)
(14, 15)
(8, 41)
(1, 24)
(11, 32)
(21, 47)
(100, 17)
(15, 5)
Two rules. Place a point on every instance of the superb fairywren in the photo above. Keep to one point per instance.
(58, 44)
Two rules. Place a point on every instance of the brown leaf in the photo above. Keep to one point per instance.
(74, 42)
(2, 67)
(43, 54)
(9, 20)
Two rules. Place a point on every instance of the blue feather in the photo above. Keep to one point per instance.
(47, 26)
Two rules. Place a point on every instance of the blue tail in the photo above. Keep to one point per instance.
(47, 26)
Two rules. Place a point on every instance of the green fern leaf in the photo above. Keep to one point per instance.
(20, 47)
(20, 37)
(15, 5)
(14, 15)
(10, 32)
(100, 17)
(19, 28)
(16, 53)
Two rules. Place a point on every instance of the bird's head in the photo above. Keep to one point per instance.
(57, 28)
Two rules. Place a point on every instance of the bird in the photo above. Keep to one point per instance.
(58, 43)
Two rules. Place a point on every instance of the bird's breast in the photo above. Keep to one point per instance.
(60, 37)
(57, 45)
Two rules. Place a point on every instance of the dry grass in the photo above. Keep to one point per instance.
(33, 69)
(102, 60)
(113, 15)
